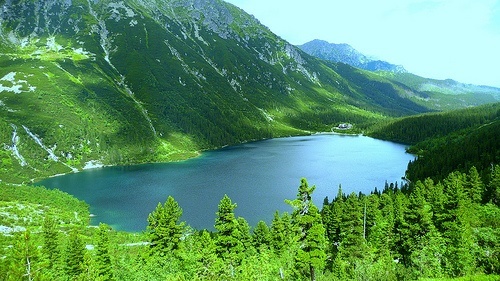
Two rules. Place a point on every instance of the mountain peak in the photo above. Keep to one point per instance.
(345, 53)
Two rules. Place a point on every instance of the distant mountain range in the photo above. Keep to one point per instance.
(344, 53)
(439, 94)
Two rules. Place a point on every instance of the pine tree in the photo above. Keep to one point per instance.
(306, 217)
(25, 259)
(209, 266)
(51, 241)
(281, 229)
(261, 236)
(494, 185)
(352, 243)
(334, 230)
(229, 245)
(103, 258)
(245, 237)
(457, 227)
(339, 268)
(75, 253)
(423, 241)
(332, 219)
(400, 205)
(387, 211)
(435, 196)
(474, 186)
(418, 215)
(164, 229)
(375, 226)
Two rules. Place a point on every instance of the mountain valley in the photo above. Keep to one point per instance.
(102, 83)
(86, 84)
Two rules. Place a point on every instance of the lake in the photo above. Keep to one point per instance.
(257, 176)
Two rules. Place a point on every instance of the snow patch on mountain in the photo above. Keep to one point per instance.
(40, 143)
(16, 85)
(93, 164)
(117, 8)
(14, 149)
(52, 45)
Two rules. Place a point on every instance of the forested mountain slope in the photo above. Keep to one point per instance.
(448, 141)
(479, 147)
(85, 83)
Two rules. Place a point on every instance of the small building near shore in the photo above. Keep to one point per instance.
(344, 126)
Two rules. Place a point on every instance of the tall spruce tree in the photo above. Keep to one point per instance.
(208, 264)
(335, 230)
(24, 259)
(164, 230)
(281, 232)
(375, 226)
(104, 267)
(400, 205)
(229, 245)
(306, 217)
(245, 237)
(494, 185)
(261, 236)
(457, 227)
(51, 241)
(75, 253)
(474, 186)
(352, 243)
(423, 242)
(387, 210)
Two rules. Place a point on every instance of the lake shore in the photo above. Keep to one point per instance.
(187, 155)
(264, 172)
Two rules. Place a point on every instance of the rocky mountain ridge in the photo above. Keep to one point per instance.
(345, 53)
(438, 94)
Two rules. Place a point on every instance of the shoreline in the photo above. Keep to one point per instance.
(97, 164)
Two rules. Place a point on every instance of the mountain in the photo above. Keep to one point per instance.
(446, 94)
(447, 141)
(435, 94)
(344, 53)
(89, 83)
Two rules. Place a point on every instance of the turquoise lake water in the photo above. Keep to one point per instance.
(257, 176)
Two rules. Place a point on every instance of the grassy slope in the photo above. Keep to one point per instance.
(27, 206)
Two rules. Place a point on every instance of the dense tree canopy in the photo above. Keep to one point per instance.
(427, 229)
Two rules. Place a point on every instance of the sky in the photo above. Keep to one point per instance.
(440, 39)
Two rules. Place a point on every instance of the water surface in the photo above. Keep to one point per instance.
(257, 176)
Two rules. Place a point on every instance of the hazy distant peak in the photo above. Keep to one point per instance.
(345, 53)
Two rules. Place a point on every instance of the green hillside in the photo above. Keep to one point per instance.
(87, 83)
(447, 141)
(444, 94)
(477, 147)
